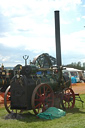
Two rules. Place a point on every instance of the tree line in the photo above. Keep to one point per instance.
(77, 65)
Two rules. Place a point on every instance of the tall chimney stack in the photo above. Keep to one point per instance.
(57, 39)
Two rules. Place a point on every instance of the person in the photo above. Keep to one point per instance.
(73, 80)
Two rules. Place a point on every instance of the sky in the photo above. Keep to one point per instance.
(27, 27)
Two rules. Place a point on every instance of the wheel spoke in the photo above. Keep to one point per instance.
(38, 105)
(44, 89)
(38, 94)
(47, 89)
(40, 91)
(50, 100)
(37, 99)
(49, 95)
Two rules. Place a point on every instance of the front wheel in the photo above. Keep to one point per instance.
(68, 98)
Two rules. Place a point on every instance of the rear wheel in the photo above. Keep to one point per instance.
(7, 102)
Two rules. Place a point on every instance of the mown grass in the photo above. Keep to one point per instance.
(75, 118)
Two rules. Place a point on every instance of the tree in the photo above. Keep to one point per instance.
(76, 65)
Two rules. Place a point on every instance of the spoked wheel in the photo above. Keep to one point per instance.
(42, 98)
(7, 102)
(68, 98)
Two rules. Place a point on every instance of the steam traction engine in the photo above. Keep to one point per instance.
(40, 85)
(38, 88)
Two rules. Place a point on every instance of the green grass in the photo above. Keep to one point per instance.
(75, 118)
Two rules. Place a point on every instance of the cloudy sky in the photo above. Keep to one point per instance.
(27, 28)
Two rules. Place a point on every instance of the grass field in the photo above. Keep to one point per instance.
(75, 118)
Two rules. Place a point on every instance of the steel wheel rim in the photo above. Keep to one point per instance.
(42, 98)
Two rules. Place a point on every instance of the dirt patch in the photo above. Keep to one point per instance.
(1, 99)
(79, 88)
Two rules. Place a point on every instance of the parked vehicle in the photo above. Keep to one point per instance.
(72, 73)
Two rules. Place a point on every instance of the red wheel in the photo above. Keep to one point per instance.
(68, 98)
(42, 98)
(7, 102)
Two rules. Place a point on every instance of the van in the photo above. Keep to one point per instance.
(73, 73)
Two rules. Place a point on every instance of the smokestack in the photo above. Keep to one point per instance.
(57, 39)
